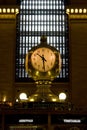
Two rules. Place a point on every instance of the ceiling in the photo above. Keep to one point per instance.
(70, 2)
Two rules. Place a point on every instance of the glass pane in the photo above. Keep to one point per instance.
(38, 17)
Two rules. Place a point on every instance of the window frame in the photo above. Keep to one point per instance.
(66, 46)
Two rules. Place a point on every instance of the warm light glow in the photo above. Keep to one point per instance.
(12, 10)
(35, 95)
(84, 10)
(10, 104)
(76, 10)
(49, 73)
(50, 95)
(54, 99)
(0, 10)
(67, 11)
(16, 100)
(72, 10)
(32, 100)
(4, 10)
(80, 10)
(4, 99)
(17, 11)
(8, 10)
(23, 96)
(62, 96)
(37, 73)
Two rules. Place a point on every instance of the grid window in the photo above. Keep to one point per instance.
(36, 18)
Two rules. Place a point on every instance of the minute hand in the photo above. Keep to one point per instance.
(42, 57)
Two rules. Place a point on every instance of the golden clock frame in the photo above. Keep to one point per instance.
(43, 80)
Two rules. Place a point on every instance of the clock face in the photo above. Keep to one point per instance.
(43, 59)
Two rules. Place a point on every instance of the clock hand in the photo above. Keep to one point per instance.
(42, 57)
(43, 65)
(39, 55)
(43, 62)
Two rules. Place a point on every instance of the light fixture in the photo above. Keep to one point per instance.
(23, 96)
(17, 100)
(62, 96)
(72, 10)
(0, 10)
(32, 100)
(76, 11)
(72, 121)
(80, 10)
(9, 10)
(54, 99)
(84, 11)
(4, 10)
(12, 10)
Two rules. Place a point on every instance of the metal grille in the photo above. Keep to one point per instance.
(36, 18)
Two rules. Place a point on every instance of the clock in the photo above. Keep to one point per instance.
(43, 59)
(43, 62)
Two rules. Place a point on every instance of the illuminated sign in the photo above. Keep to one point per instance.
(25, 120)
(72, 120)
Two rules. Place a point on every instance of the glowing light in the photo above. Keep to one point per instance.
(84, 10)
(49, 73)
(50, 94)
(0, 10)
(23, 96)
(76, 10)
(36, 95)
(16, 100)
(8, 10)
(26, 120)
(67, 11)
(4, 10)
(72, 120)
(72, 10)
(37, 73)
(17, 11)
(62, 96)
(54, 99)
(32, 100)
(12, 10)
(80, 10)
(4, 99)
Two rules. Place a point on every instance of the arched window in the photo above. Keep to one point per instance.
(38, 17)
